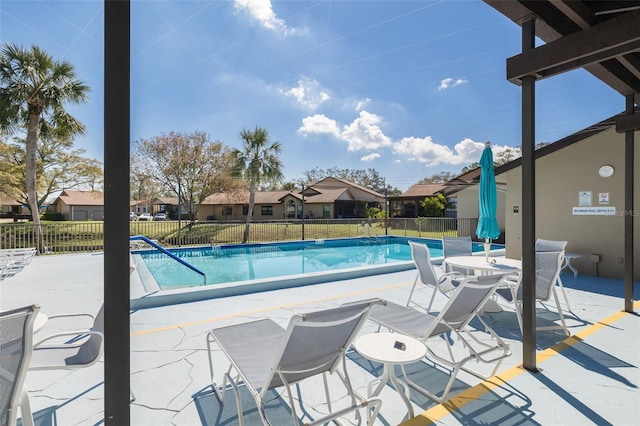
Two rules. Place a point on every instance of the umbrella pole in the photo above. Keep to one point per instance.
(487, 248)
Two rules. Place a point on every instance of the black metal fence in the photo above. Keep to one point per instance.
(75, 237)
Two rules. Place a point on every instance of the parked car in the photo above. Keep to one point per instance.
(133, 216)
(145, 216)
(160, 216)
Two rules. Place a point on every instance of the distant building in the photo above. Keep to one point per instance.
(326, 199)
(79, 205)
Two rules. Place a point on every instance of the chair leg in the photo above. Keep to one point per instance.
(564, 293)
(562, 321)
(25, 408)
(413, 288)
(433, 296)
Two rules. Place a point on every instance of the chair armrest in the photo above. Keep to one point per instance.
(83, 334)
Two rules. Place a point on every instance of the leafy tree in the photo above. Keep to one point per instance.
(440, 177)
(257, 162)
(34, 88)
(289, 186)
(434, 206)
(190, 164)
(9, 175)
(58, 166)
(142, 184)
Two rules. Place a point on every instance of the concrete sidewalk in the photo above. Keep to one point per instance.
(591, 377)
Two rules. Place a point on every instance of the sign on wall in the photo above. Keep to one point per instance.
(594, 211)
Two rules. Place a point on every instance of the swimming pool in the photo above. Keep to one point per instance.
(241, 269)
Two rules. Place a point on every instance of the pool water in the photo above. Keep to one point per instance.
(227, 264)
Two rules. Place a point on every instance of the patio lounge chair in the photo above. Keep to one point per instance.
(457, 246)
(463, 306)
(265, 356)
(13, 261)
(551, 245)
(548, 266)
(16, 334)
(430, 274)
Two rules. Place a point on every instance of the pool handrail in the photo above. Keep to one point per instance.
(168, 253)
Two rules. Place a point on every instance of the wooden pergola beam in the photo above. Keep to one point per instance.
(610, 39)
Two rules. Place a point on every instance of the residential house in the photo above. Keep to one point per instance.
(13, 208)
(140, 206)
(168, 205)
(407, 204)
(79, 205)
(327, 198)
(579, 198)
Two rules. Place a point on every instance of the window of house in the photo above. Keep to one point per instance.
(245, 210)
(227, 211)
(266, 210)
(326, 211)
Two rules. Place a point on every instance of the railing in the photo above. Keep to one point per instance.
(168, 253)
(80, 236)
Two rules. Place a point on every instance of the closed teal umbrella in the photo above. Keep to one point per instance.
(487, 199)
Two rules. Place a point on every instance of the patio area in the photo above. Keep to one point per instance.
(591, 377)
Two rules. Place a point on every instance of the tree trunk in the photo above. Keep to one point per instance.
(252, 200)
(30, 160)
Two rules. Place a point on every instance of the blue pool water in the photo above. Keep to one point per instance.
(228, 264)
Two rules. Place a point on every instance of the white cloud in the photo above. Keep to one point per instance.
(361, 104)
(319, 124)
(450, 82)
(308, 94)
(431, 154)
(363, 134)
(262, 11)
(370, 157)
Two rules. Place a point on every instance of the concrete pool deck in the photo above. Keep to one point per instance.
(591, 377)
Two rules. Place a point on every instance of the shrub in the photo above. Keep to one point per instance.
(52, 216)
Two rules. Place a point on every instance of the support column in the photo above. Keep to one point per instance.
(628, 208)
(528, 207)
(116, 206)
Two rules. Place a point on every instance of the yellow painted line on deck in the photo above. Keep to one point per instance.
(438, 412)
(267, 309)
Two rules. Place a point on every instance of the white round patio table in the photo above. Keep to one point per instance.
(390, 349)
(494, 265)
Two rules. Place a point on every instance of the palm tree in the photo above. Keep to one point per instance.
(257, 162)
(33, 90)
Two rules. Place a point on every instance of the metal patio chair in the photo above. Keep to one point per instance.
(457, 246)
(431, 275)
(552, 245)
(265, 356)
(548, 266)
(454, 318)
(16, 334)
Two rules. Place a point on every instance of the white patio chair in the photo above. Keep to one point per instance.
(457, 246)
(548, 266)
(455, 316)
(72, 349)
(552, 245)
(431, 275)
(265, 356)
(16, 334)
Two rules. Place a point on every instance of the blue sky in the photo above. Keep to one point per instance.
(409, 88)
